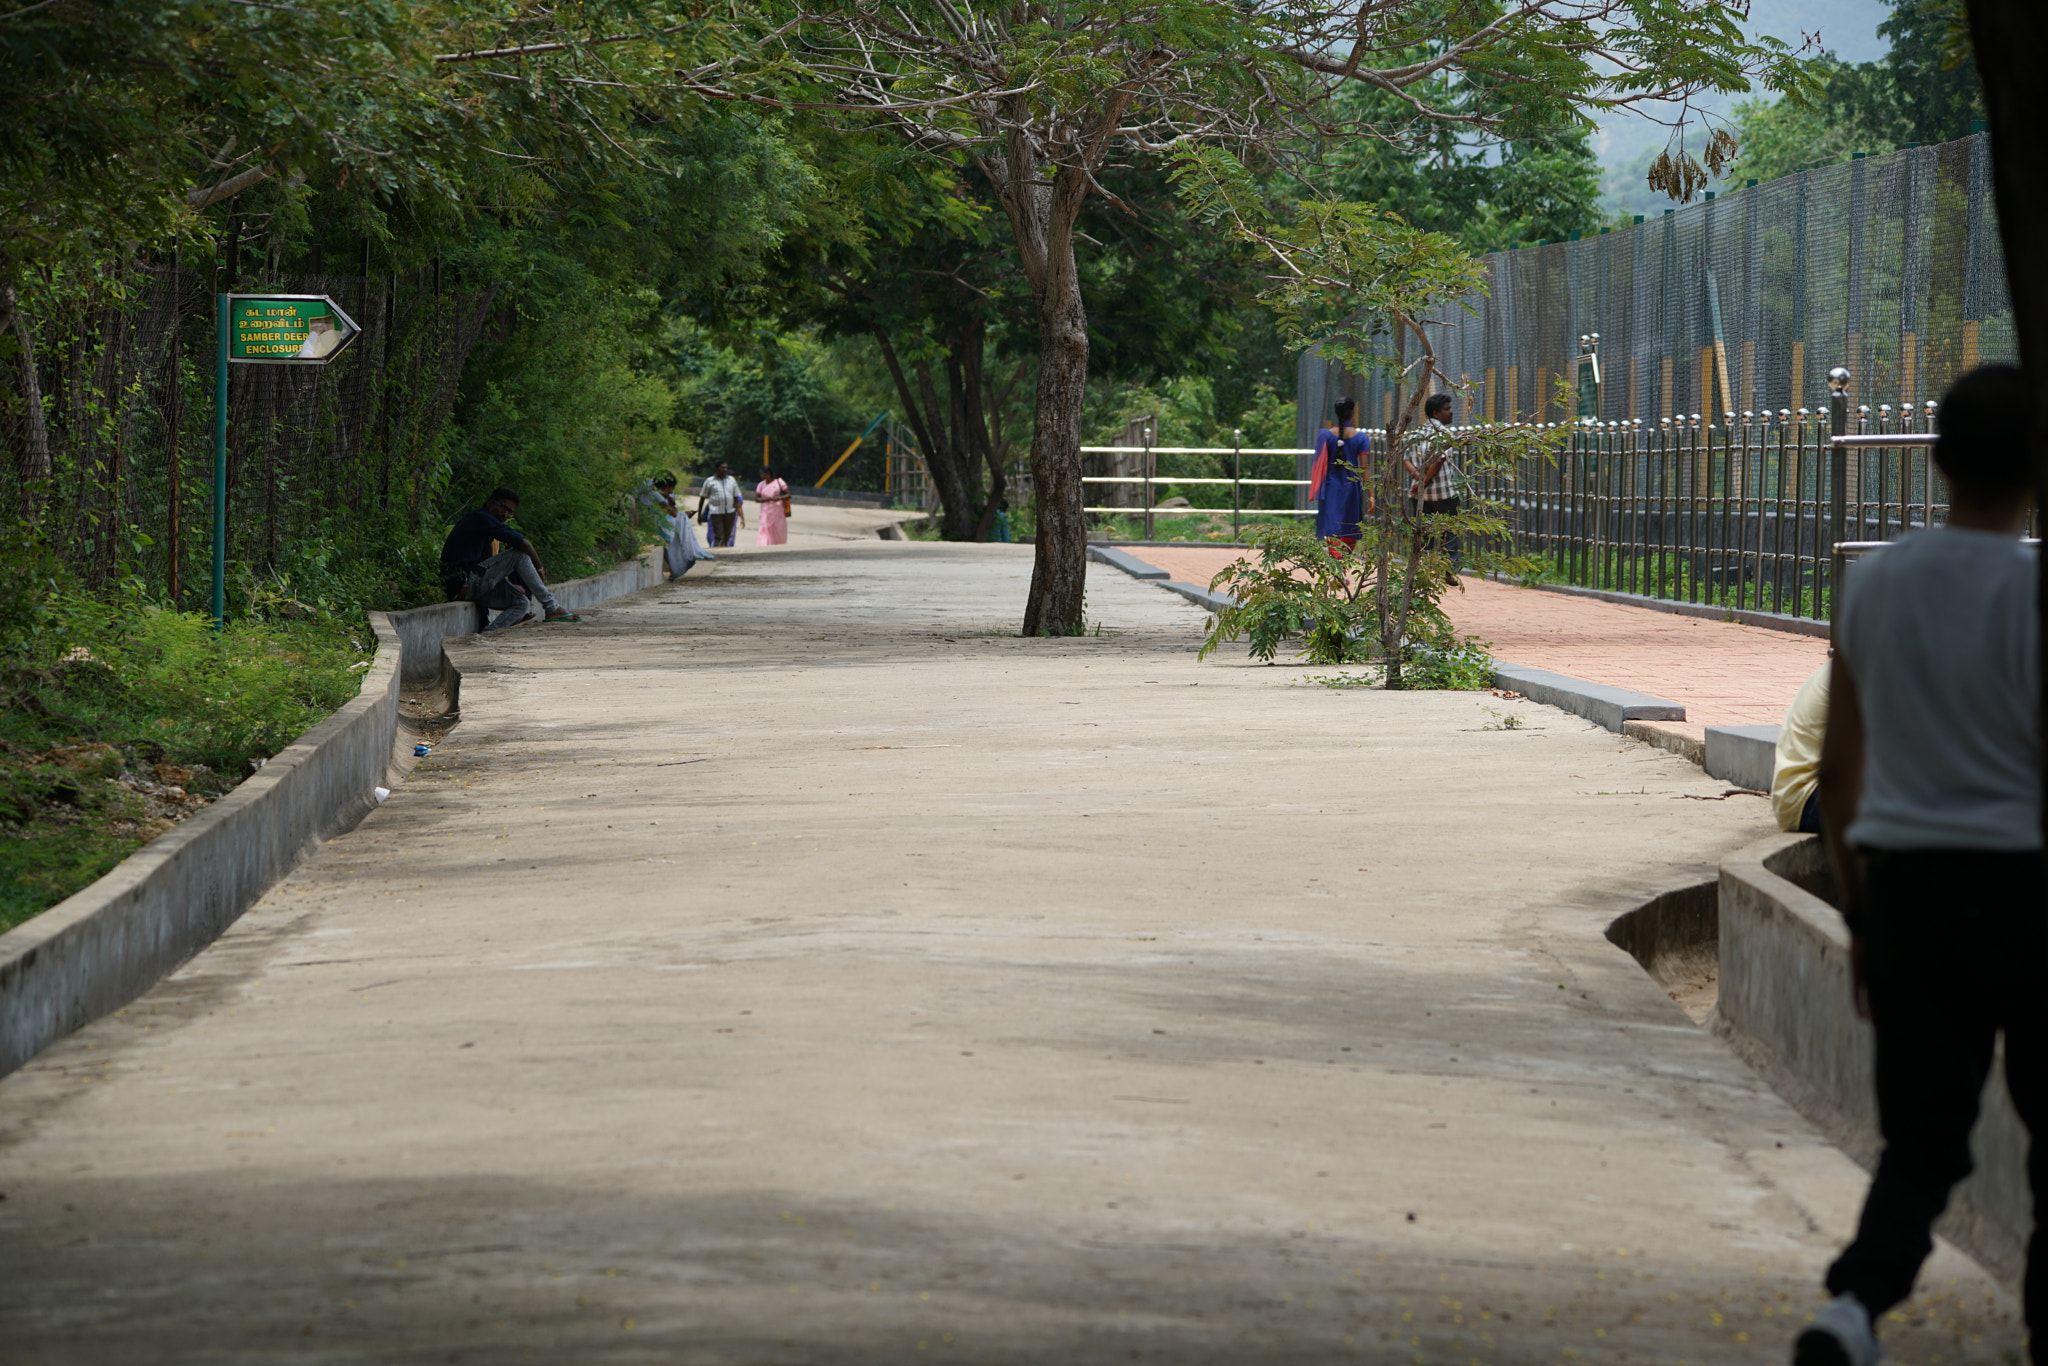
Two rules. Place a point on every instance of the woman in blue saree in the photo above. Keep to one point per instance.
(1338, 481)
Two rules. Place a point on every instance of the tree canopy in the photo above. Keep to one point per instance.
(1923, 90)
(979, 192)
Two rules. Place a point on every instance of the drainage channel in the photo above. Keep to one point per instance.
(1677, 939)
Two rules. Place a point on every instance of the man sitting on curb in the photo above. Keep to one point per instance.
(499, 583)
(1930, 789)
(1795, 771)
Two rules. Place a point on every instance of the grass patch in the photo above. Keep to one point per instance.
(119, 719)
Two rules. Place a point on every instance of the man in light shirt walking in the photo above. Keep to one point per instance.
(723, 504)
(1930, 790)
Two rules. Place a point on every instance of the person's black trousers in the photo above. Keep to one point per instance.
(1955, 950)
(1449, 540)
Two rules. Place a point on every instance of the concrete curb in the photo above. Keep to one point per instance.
(1199, 596)
(100, 948)
(1130, 564)
(1743, 755)
(1609, 707)
(1787, 1008)
(1673, 737)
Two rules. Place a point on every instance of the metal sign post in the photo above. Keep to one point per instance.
(262, 329)
(1588, 377)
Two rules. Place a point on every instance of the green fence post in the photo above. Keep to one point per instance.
(220, 461)
(1236, 483)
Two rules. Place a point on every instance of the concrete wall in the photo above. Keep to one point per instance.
(1786, 1005)
(421, 632)
(94, 952)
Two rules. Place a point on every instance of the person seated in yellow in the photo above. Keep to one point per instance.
(1795, 775)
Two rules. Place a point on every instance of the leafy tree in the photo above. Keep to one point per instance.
(1924, 90)
(1927, 90)
(933, 285)
(1041, 99)
(1353, 281)
(1484, 191)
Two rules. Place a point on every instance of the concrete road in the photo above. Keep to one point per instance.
(792, 965)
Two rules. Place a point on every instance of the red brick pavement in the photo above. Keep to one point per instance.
(1726, 674)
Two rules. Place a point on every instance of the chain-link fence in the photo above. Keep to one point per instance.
(120, 469)
(1702, 466)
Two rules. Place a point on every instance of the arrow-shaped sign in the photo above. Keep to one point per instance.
(287, 329)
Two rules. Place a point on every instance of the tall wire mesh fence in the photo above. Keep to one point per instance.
(121, 473)
(1715, 327)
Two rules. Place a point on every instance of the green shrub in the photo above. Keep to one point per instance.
(101, 689)
(1299, 590)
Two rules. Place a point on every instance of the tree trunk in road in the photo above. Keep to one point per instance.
(1059, 569)
(2011, 41)
(1043, 201)
(1042, 216)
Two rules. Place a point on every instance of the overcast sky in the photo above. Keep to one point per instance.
(1847, 28)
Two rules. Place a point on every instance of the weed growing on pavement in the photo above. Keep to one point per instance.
(1502, 720)
(1342, 681)
(1468, 667)
(117, 719)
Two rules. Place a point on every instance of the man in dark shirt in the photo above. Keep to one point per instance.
(499, 583)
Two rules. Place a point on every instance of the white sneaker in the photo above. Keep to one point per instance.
(1839, 1335)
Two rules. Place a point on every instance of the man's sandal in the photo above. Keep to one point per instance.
(561, 616)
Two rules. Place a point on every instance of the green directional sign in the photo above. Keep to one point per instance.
(1589, 386)
(287, 329)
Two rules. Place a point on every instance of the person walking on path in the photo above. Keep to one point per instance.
(503, 582)
(1434, 483)
(1336, 483)
(722, 504)
(771, 496)
(1930, 788)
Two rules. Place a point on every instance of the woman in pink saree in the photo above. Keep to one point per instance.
(771, 501)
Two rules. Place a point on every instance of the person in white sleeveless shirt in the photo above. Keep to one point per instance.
(1930, 790)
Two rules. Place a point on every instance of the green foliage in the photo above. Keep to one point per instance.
(564, 412)
(121, 119)
(809, 396)
(95, 689)
(1343, 272)
(1330, 600)
(1466, 666)
(1296, 590)
(1483, 191)
(1780, 137)
(1924, 90)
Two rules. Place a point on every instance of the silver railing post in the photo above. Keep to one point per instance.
(1838, 479)
(1236, 482)
(1151, 440)
(1838, 456)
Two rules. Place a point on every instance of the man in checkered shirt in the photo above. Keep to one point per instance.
(1436, 481)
